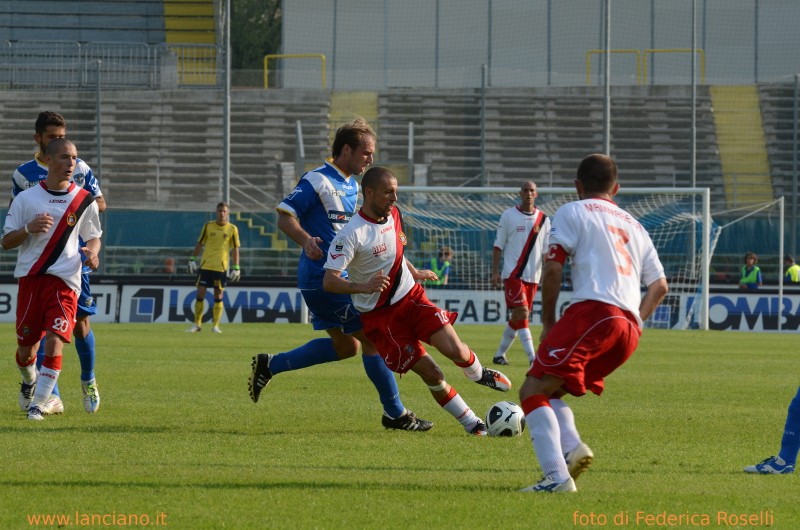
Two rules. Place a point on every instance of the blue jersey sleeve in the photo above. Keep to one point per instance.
(301, 200)
(84, 177)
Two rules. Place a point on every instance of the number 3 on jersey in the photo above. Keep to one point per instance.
(626, 266)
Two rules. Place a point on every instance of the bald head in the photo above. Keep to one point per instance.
(375, 176)
(57, 145)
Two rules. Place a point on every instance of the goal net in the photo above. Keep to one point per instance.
(465, 219)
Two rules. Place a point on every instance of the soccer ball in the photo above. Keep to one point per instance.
(505, 418)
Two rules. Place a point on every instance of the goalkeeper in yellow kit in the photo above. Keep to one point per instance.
(217, 239)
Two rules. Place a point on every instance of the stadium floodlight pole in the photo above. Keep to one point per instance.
(705, 254)
(693, 133)
(781, 250)
(98, 120)
(693, 161)
(796, 117)
(484, 73)
(99, 165)
(607, 100)
(226, 109)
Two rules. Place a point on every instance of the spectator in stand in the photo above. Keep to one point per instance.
(751, 273)
(792, 274)
(440, 265)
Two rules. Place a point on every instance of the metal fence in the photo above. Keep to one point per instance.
(74, 65)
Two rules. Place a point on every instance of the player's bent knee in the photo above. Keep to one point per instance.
(345, 349)
(438, 388)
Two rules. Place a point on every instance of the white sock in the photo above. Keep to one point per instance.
(543, 429)
(44, 386)
(458, 408)
(505, 342)
(570, 438)
(473, 371)
(526, 339)
(28, 373)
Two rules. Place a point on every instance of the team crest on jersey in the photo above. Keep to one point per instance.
(403, 240)
(72, 219)
(89, 301)
(294, 193)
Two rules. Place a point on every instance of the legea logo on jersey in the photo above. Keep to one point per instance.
(339, 217)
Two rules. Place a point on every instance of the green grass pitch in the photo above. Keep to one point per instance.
(177, 441)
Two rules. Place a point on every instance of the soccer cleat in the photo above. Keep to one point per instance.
(494, 379)
(26, 395)
(261, 375)
(579, 460)
(216, 329)
(91, 396)
(479, 429)
(35, 413)
(500, 360)
(406, 422)
(52, 406)
(194, 329)
(773, 465)
(548, 485)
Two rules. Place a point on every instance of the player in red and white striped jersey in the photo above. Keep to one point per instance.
(45, 222)
(522, 239)
(611, 255)
(395, 313)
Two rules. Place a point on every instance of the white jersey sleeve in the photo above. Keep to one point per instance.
(364, 247)
(611, 253)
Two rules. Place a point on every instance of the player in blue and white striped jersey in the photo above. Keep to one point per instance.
(312, 214)
(49, 126)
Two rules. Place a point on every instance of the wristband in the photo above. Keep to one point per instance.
(236, 267)
(191, 259)
(26, 229)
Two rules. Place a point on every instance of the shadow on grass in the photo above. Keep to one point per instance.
(281, 485)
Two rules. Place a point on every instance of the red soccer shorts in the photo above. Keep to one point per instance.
(589, 342)
(397, 330)
(519, 293)
(44, 303)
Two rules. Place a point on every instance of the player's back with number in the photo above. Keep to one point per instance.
(612, 254)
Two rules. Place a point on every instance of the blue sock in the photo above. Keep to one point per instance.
(85, 347)
(385, 384)
(317, 351)
(39, 360)
(790, 443)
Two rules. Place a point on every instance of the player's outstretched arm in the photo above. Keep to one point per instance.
(289, 225)
(421, 274)
(91, 253)
(334, 283)
(551, 287)
(656, 292)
